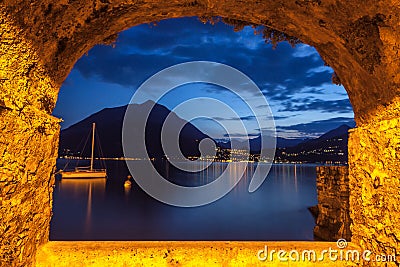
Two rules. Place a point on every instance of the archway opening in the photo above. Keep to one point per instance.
(296, 82)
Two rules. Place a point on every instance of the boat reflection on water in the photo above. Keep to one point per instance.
(81, 187)
(77, 190)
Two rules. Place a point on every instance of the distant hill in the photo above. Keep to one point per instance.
(329, 147)
(109, 123)
(255, 143)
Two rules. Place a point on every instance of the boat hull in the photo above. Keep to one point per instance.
(83, 174)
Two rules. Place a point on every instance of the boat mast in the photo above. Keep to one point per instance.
(92, 157)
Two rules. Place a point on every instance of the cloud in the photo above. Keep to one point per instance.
(293, 80)
(167, 34)
(249, 118)
(244, 118)
(128, 70)
(316, 128)
(240, 135)
(303, 50)
(325, 106)
(143, 51)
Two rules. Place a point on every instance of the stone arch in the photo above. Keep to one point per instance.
(41, 41)
(346, 40)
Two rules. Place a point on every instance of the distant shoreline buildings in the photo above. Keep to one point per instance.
(333, 155)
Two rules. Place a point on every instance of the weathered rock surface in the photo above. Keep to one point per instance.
(40, 41)
(333, 220)
(374, 173)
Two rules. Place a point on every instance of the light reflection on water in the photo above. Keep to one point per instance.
(100, 209)
(81, 189)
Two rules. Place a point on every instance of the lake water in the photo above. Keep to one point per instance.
(104, 210)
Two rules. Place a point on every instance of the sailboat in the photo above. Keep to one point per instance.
(86, 172)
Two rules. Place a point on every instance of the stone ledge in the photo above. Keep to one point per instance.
(174, 253)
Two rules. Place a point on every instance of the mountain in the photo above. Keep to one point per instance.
(340, 131)
(284, 142)
(329, 147)
(255, 143)
(109, 123)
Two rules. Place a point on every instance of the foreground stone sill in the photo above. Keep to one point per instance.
(172, 253)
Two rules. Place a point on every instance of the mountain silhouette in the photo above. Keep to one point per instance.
(255, 143)
(329, 147)
(109, 122)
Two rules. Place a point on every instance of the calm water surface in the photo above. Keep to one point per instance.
(104, 210)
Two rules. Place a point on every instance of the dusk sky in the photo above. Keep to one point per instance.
(294, 81)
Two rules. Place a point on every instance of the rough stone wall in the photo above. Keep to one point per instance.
(41, 41)
(28, 142)
(374, 159)
(359, 39)
(186, 253)
(333, 221)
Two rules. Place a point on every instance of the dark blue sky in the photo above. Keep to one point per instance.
(294, 81)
